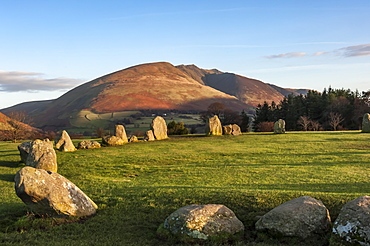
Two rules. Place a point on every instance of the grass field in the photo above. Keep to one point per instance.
(136, 186)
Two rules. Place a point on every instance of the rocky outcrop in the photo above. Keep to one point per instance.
(232, 129)
(279, 126)
(119, 137)
(50, 194)
(133, 139)
(159, 128)
(24, 150)
(304, 218)
(149, 136)
(42, 155)
(202, 222)
(87, 144)
(366, 123)
(353, 222)
(213, 126)
(65, 143)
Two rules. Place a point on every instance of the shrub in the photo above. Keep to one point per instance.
(265, 126)
(179, 128)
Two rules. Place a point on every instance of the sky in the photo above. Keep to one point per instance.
(49, 47)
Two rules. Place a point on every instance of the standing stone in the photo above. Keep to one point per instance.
(86, 144)
(42, 155)
(65, 143)
(233, 129)
(149, 136)
(133, 139)
(353, 222)
(213, 126)
(202, 222)
(50, 194)
(279, 126)
(366, 123)
(24, 150)
(119, 138)
(159, 128)
(304, 218)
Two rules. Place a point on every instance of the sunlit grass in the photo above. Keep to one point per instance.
(136, 186)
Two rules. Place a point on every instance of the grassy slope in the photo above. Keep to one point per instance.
(250, 174)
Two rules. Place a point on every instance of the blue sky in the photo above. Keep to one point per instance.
(49, 47)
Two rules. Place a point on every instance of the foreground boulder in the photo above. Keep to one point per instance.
(87, 144)
(304, 218)
(366, 123)
(50, 194)
(159, 128)
(353, 222)
(42, 155)
(202, 222)
(65, 143)
(119, 138)
(149, 136)
(232, 129)
(213, 126)
(24, 150)
(279, 126)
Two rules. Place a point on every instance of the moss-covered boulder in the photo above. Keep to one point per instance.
(202, 222)
(279, 126)
(42, 155)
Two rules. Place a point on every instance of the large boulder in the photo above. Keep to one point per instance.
(149, 136)
(119, 138)
(366, 123)
(42, 155)
(87, 144)
(202, 222)
(279, 126)
(304, 218)
(213, 126)
(65, 143)
(50, 194)
(24, 150)
(232, 129)
(159, 128)
(353, 222)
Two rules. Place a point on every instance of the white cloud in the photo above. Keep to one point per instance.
(355, 50)
(31, 82)
(287, 55)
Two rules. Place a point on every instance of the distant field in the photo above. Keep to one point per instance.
(88, 121)
(136, 186)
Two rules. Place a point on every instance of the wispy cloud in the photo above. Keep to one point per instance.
(287, 55)
(355, 50)
(31, 82)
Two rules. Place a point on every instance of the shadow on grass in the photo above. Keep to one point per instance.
(12, 164)
(7, 177)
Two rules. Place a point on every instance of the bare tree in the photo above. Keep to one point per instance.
(335, 119)
(315, 125)
(304, 121)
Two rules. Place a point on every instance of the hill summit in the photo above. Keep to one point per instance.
(154, 86)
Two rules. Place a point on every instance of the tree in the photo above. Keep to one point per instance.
(335, 119)
(20, 130)
(304, 121)
(179, 128)
(244, 124)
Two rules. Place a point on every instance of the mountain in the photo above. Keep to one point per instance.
(154, 86)
(286, 91)
(7, 123)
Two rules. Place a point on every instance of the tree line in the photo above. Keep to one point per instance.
(333, 109)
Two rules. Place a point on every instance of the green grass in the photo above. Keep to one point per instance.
(136, 186)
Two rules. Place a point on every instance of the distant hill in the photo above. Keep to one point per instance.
(152, 86)
(7, 123)
(286, 91)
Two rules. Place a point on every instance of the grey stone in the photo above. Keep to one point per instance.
(87, 144)
(353, 222)
(133, 139)
(65, 143)
(119, 138)
(149, 136)
(50, 194)
(232, 129)
(159, 128)
(366, 123)
(279, 126)
(303, 217)
(42, 155)
(213, 126)
(203, 222)
(24, 150)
